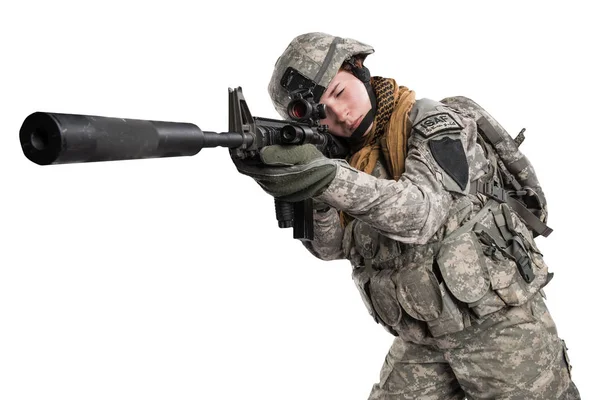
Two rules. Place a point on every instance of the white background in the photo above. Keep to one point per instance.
(168, 278)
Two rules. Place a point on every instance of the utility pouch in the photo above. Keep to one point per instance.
(417, 287)
(515, 267)
(451, 320)
(362, 279)
(461, 263)
(513, 242)
(383, 297)
(378, 293)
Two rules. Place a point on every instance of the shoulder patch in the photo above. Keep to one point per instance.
(436, 123)
(450, 155)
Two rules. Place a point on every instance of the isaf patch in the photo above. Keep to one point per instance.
(436, 123)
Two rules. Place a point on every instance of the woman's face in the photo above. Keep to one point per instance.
(346, 103)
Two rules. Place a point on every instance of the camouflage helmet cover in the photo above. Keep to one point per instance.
(316, 55)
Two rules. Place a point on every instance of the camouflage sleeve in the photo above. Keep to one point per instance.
(327, 244)
(415, 207)
(410, 210)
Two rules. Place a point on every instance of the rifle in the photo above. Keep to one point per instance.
(52, 138)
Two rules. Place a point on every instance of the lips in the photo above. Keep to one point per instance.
(355, 124)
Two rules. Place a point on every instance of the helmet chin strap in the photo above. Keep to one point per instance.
(367, 120)
(364, 75)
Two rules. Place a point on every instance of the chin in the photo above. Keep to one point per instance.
(341, 134)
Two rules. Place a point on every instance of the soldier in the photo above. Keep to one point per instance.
(424, 208)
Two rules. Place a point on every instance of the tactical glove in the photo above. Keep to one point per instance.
(290, 173)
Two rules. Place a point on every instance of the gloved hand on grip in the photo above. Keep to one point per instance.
(290, 173)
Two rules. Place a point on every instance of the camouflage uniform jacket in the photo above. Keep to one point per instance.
(420, 266)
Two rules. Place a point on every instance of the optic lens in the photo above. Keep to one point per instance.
(298, 110)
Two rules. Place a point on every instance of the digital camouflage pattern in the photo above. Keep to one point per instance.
(426, 264)
(513, 354)
(507, 149)
(307, 53)
(434, 260)
(413, 209)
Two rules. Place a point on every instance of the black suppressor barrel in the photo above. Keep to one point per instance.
(50, 138)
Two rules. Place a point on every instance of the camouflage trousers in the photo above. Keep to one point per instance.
(514, 353)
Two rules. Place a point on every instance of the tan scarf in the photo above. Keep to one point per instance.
(389, 134)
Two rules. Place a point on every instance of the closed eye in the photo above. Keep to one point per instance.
(339, 93)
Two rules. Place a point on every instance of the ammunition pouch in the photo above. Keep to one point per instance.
(486, 264)
(492, 261)
(482, 263)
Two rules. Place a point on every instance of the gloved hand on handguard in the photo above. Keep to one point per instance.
(290, 173)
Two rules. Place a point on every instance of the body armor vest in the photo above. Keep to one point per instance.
(483, 259)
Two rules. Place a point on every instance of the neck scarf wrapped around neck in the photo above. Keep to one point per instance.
(389, 133)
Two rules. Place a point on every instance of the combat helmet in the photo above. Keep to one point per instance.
(318, 56)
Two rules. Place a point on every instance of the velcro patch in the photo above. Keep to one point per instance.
(450, 155)
(436, 123)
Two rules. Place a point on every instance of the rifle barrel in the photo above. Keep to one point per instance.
(52, 138)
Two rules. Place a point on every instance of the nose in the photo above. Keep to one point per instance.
(338, 111)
